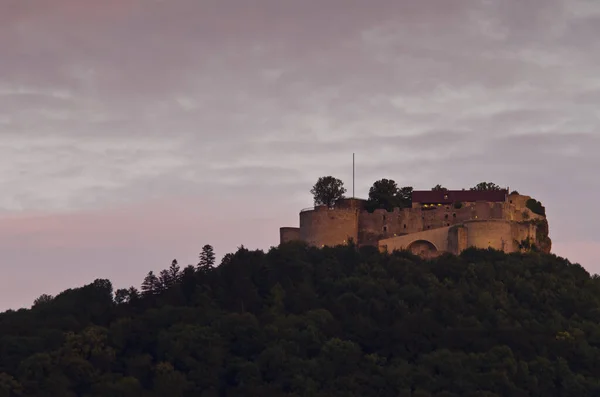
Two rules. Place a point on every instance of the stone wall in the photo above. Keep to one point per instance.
(496, 234)
(437, 237)
(382, 224)
(287, 234)
(324, 226)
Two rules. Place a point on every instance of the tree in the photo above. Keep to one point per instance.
(121, 296)
(327, 191)
(44, 298)
(383, 194)
(207, 258)
(438, 187)
(151, 284)
(405, 196)
(536, 207)
(486, 186)
(170, 276)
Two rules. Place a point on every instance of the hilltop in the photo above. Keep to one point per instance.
(302, 321)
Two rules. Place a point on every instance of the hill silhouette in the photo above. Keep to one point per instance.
(301, 321)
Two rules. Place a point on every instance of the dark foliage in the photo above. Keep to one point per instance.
(300, 321)
(486, 186)
(327, 190)
(385, 194)
(536, 207)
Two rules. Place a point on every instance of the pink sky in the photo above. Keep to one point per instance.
(134, 132)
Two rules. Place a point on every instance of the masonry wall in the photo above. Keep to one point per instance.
(382, 224)
(437, 237)
(324, 226)
(497, 234)
(287, 234)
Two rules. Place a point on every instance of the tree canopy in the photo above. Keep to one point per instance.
(486, 186)
(385, 194)
(327, 190)
(302, 321)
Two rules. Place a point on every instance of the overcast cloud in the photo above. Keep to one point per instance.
(134, 132)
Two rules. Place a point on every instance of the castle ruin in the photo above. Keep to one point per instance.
(439, 221)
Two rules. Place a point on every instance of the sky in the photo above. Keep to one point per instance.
(133, 132)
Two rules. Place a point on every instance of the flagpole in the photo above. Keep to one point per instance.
(353, 175)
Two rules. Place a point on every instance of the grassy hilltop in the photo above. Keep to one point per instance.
(300, 321)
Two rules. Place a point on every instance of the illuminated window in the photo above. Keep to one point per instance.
(445, 197)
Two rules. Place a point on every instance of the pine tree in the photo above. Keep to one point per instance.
(133, 293)
(164, 280)
(151, 284)
(207, 258)
(170, 276)
(174, 271)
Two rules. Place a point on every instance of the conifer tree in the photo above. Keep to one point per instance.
(207, 258)
(151, 284)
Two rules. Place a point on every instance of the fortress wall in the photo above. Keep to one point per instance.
(516, 206)
(383, 224)
(497, 211)
(522, 231)
(497, 234)
(457, 239)
(350, 203)
(437, 237)
(518, 201)
(435, 218)
(482, 210)
(445, 216)
(324, 226)
(287, 234)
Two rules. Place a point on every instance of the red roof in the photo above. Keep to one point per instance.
(451, 196)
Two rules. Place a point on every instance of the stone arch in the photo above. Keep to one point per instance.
(423, 248)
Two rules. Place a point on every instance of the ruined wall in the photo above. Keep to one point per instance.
(536, 231)
(287, 234)
(323, 226)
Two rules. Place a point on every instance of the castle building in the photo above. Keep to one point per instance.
(438, 221)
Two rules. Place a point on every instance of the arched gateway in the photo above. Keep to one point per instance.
(423, 248)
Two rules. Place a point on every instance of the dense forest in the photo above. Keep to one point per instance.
(301, 321)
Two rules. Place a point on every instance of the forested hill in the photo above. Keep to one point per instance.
(299, 321)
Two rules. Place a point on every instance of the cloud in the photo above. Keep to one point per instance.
(117, 104)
